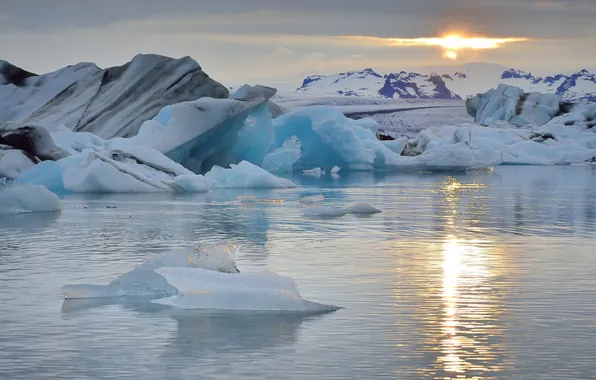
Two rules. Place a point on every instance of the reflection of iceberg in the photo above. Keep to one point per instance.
(205, 289)
(241, 332)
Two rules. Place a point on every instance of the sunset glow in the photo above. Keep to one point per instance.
(451, 44)
(455, 42)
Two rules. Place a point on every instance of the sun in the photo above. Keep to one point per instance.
(450, 54)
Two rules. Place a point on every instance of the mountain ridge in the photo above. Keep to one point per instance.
(465, 81)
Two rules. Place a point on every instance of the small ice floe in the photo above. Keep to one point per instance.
(362, 209)
(335, 172)
(204, 278)
(316, 172)
(312, 199)
(144, 282)
(323, 212)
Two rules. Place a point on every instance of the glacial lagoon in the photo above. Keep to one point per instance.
(484, 274)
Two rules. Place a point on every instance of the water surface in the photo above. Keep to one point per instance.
(477, 275)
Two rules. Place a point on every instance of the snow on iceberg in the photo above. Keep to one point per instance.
(205, 289)
(144, 282)
(246, 176)
(25, 198)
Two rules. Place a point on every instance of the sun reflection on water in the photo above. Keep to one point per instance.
(469, 328)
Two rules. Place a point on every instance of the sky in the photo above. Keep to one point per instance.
(281, 42)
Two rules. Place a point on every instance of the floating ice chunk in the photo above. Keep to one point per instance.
(204, 289)
(13, 162)
(396, 146)
(282, 160)
(312, 199)
(144, 282)
(316, 172)
(362, 209)
(335, 170)
(247, 200)
(323, 212)
(246, 176)
(24, 198)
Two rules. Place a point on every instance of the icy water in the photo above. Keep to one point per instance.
(477, 275)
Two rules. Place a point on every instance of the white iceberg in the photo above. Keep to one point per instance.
(25, 198)
(144, 282)
(205, 289)
(246, 176)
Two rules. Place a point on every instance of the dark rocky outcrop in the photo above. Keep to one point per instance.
(33, 140)
(11, 74)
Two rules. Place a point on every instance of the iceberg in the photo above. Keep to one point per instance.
(144, 282)
(246, 176)
(282, 159)
(107, 102)
(209, 132)
(512, 104)
(13, 162)
(26, 198)
(204, 289)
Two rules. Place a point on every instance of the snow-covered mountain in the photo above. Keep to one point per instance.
(461, 82)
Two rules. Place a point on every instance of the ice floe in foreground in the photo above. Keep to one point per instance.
(25, 198)
(144, 282)
(205, 289)
(205, 278)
